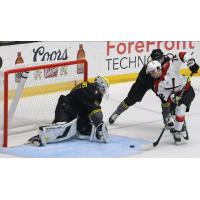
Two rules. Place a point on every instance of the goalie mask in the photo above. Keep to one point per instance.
(102, 84)
(154, 69)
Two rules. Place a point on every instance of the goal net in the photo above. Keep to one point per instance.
(29, 94)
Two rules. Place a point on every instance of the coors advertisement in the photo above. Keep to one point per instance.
(40, 54)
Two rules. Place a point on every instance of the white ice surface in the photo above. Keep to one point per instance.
(143, 121)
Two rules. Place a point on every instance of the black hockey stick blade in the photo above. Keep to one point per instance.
(187, 135)
(154, 144)
(158, 140)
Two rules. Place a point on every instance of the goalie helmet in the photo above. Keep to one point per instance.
(157, 54)
(102, 84)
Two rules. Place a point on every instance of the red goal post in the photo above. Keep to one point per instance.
(6, 75)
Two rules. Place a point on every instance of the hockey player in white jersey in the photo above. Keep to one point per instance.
(145, 82)
(174, 89)
(78, 114)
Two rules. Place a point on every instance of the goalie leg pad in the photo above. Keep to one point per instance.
(100, 133)
(58, 132)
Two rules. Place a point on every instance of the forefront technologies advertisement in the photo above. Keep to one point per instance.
(131, 56)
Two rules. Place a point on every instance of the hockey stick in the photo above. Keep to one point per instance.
(187, 135)
(154, 144)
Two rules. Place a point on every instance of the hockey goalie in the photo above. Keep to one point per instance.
(77, 115)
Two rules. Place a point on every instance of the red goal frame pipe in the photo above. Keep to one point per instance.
(32, 68)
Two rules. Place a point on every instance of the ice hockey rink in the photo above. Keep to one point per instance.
(143, 121)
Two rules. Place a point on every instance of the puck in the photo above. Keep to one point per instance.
(132, 146)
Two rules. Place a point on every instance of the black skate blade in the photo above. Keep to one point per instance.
(177, 141)
(185, 137)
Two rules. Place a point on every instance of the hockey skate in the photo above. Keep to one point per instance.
(176, 136)
(35, 141)
(169, 122)
(184, 132)
(113, 117)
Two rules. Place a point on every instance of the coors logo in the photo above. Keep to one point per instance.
(40, 54)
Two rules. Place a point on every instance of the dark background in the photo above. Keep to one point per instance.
(6, 43)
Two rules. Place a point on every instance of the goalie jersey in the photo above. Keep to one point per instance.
(85, 98)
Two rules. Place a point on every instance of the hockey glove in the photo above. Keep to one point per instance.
(175, 98)
(194, 68)
(190, 62)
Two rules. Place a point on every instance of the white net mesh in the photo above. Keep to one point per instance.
(39, 96)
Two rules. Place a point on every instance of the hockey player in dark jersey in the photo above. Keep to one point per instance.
(143, 83)
(78, 114)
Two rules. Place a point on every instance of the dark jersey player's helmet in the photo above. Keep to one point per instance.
(157, 54)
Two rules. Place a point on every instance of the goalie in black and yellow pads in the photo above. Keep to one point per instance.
(78, 114)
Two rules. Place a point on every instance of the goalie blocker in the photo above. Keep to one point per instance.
(78, 114)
